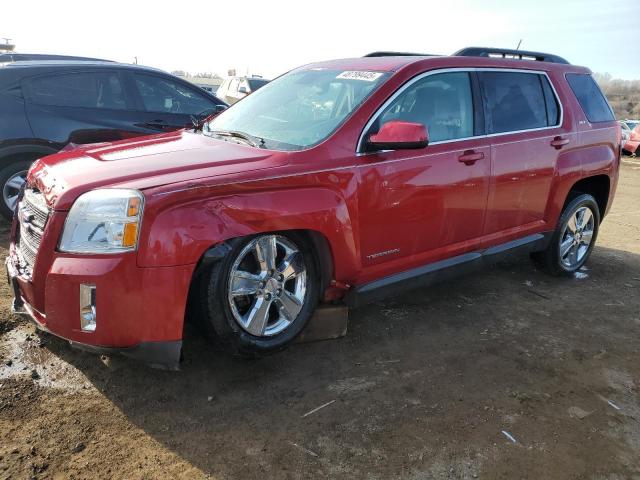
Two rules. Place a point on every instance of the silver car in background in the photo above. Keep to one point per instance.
(236, 88)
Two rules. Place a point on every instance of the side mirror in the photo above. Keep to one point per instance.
(398, 135)
(243, 90)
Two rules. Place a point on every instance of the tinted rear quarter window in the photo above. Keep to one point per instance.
(590, 97)
(515, 101)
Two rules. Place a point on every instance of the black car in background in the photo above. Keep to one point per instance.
(45, 105)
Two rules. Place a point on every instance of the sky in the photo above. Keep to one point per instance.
(271, 37)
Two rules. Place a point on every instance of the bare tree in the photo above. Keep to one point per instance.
(623, 95)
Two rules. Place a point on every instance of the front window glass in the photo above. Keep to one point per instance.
(299, 109)
(165, 96)
(442, 102)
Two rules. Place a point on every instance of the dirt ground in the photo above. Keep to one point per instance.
(508, 373)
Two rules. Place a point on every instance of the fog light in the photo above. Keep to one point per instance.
(87, 308)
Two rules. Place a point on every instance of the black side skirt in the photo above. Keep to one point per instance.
(443, 270)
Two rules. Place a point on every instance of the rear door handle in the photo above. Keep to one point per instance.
(559, 142)
(469, 157)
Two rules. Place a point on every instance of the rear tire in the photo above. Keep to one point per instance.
(253, 303)
(12, 177)
(574, 237)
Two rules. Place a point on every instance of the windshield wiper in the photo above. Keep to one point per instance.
(199, 119)
(241, 135)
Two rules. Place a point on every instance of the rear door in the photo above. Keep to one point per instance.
(80, 106)
(524, 122)
(165, 103)
(417, 206)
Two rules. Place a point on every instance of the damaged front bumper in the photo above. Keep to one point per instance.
(165, 355)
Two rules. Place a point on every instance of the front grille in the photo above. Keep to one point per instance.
(33, 214)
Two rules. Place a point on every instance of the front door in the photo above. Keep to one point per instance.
(418, 205)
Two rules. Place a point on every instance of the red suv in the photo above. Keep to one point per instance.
(341, 180)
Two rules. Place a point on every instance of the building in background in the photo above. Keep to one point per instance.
(6, 47)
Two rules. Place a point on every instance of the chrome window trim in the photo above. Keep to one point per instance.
(417, 78)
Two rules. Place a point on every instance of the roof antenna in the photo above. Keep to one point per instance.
(519, 43)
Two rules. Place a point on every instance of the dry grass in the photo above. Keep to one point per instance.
(623, 95)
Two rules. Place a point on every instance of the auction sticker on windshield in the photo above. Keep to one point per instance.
(360, 75)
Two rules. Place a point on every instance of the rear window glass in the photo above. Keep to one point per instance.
(553, 110)
(87, 90)
(515, 101)
(590, 97)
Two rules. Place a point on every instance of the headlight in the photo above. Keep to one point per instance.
(103, 221)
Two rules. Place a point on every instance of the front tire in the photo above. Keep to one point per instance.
(261, 295)
(574, 237)
(12, 178)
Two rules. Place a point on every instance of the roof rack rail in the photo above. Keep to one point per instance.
(398, 54)
(508, 53)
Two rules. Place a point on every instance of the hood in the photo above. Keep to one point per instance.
(143, 163)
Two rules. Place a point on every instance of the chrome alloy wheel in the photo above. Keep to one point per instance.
(11, 189)
(576, 237)
(267, 285)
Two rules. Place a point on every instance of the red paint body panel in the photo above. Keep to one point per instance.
(633, 143)
(419, 201)
(400, 132)
(381, 213)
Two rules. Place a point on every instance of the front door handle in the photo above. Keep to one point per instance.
(469, 157)
(559, 142)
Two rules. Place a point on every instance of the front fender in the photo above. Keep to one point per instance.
(181, 232)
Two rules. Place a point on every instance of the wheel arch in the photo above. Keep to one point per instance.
(315, 241)
(321, 215)
(25, 152)
(598, 186)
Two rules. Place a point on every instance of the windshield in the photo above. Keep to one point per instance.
(297, 110)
